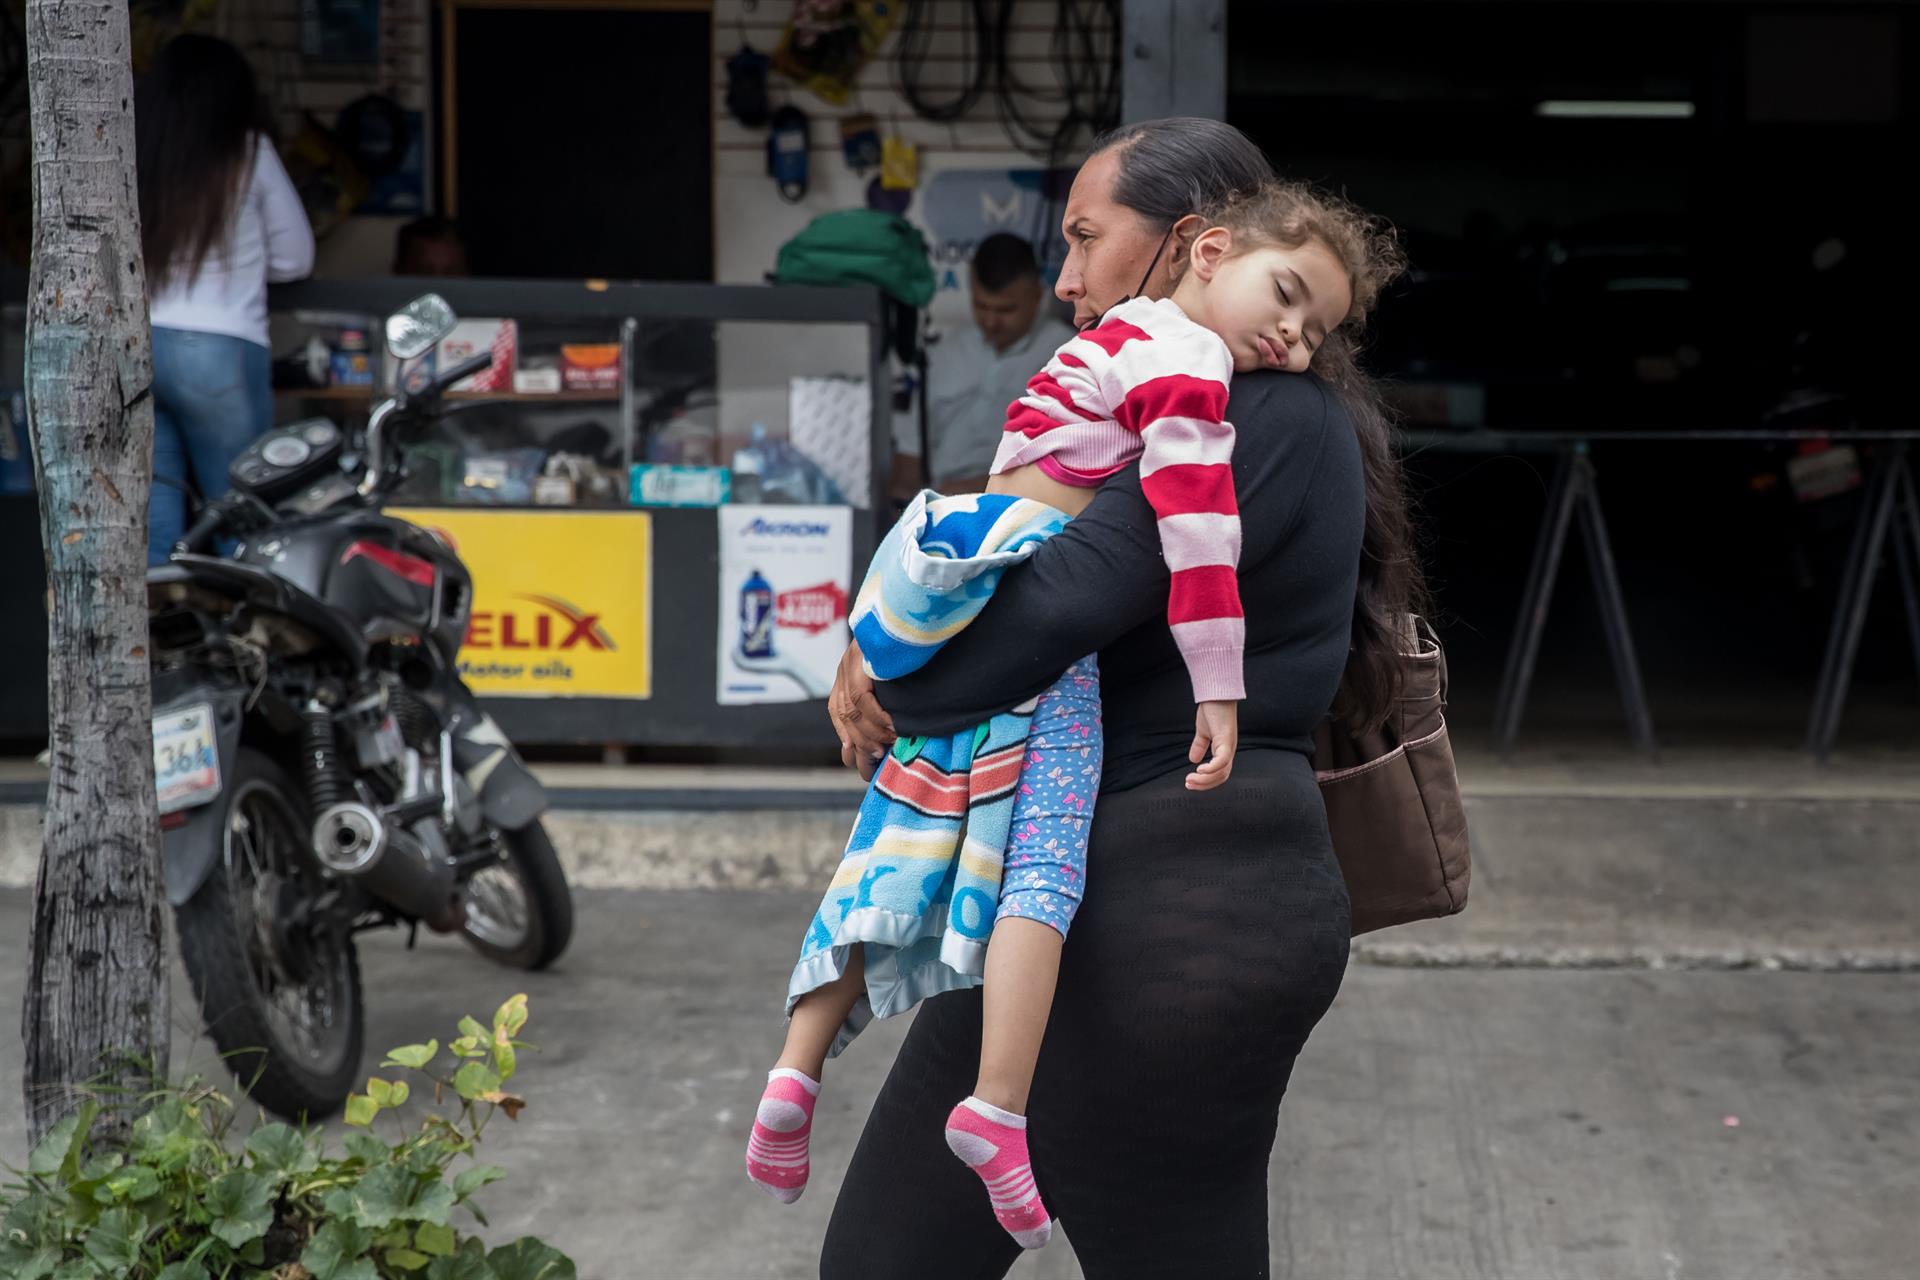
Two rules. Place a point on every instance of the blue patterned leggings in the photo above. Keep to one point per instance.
(1046, 860)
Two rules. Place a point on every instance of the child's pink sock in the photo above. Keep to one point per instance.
(777, 1151)
(993, 1143)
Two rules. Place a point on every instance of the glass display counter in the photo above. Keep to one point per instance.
(664, 492)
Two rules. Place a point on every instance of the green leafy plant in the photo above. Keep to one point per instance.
(174, 1199)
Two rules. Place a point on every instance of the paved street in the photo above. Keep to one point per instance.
(1537, 1125)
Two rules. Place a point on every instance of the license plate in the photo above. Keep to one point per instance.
(186, 761)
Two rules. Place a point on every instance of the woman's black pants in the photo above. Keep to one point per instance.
(1212, 938)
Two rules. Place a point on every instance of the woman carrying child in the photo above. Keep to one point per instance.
(1216, 938)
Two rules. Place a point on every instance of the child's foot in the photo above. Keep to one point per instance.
(777, 1151)
(993, 1143)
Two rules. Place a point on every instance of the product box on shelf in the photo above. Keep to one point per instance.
(471, 337)
(350, 362)
(658, 485)
(537, 380)
(588, 366)
(553, 491)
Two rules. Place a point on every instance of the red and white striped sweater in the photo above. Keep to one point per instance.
(1149, 384)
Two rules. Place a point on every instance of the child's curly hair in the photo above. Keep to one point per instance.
(1391, 584)
(1293, 214)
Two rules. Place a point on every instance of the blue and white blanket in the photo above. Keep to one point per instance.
(919, 884)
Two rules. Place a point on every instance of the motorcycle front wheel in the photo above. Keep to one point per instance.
(519, 911)
(281, 1000)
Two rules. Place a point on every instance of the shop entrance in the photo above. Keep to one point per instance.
(577, 140)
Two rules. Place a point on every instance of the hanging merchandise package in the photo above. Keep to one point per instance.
(828, 42)
(899, 164)
(860, 142)
(886, 200)
(747, 87)
(787, 147)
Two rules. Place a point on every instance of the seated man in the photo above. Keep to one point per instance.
(975, 372)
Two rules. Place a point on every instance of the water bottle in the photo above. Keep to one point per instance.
(756, 617)
(748, 464)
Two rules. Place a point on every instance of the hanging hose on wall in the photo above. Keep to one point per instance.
(1086, 61)
(1084, 57)
(1088, 48)
(915, 44)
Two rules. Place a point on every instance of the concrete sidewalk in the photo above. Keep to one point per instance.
(1699, 879)
(1594, 765)
(1643, 882)
(1442, 1125)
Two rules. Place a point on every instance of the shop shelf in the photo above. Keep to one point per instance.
(517, 397)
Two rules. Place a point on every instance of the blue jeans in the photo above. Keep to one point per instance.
(212, 397)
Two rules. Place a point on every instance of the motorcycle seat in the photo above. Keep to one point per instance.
(250, 582)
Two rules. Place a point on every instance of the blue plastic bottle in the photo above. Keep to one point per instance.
(756, 617)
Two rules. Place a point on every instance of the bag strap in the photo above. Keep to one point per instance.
(1423, 633)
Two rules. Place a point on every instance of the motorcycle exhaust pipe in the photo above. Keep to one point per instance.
(352, 840)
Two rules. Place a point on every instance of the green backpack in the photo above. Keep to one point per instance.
(860, 246)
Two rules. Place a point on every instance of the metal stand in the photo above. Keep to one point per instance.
(1892, 506)
(1906, 559)
(1574, 493)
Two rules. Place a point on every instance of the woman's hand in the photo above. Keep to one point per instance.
(863, 726)
(1216, 736)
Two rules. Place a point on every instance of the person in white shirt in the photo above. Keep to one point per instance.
(975, 373)
(219, 220)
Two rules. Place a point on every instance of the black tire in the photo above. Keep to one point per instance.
(540, 930)
(231, 969)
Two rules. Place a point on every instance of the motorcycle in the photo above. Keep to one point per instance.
(322, 769)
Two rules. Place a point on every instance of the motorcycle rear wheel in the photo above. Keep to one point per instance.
(519, 912)
(283, 1007)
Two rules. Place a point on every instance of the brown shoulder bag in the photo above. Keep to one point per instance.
(1393, 801)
